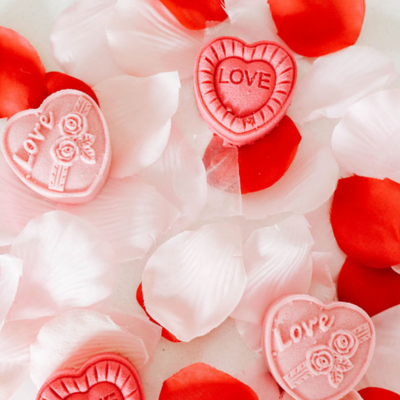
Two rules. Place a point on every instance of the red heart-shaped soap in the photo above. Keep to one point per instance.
(107, 376)
(61, 150)
(316, 350)
(243, 91)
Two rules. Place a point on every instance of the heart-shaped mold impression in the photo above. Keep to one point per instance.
(317, 351)
(107, 376)
(243, 91)
(61, 150)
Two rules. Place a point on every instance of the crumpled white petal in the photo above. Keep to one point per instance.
(138, 112)
(15, 339)
(308, 183)
(66, 264)
(325, 242)
(131, 215)
(80, 43)
(260, 380)
(384, 370)
(179, 174)
(10, 273)
(251, 20)
(70, 339)
(278, 263)
(322, 285)
(366, 141)
(194, 281)
(145, 39)
(338, 80)
(18, 204)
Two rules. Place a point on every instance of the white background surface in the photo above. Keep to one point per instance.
(222, 348)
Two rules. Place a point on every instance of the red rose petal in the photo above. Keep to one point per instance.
(140, 299)
(194, 14)
(365, 218)
(313, 28)
(56, 81)
(261, 164)
(202, 382)
(372, 393)
(22, 74)
(372, 289)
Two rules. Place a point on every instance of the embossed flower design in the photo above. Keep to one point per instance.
(344, 343)
(65, 152)
(73, 124)
(75, 127)
(320, 360)
(333, 360)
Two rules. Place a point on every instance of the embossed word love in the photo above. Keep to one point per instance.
(315, 350)
(243, 91)
(61, 150)
(107, 376)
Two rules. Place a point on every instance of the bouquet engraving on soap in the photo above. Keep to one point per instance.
(332, 359)
(75, 143)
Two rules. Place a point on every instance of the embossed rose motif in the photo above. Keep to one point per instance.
(73, 124)
(344, 343)
(65, 152)
(320, 360)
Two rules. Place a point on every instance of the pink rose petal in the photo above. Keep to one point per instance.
(251, 20)
(138, 112)
(66, 264)
(325, 242)
(10, 274)
(179, 174)
(80, 43)
(353, 73)
(322, 285)
(18, 204)
(366, 141)
(278, 263)
(194, 281)
(146, 39)
(131, 214)
(15, 339)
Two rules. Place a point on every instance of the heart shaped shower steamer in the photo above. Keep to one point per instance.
(317, 351)
(107, 376)
(61, 150)
(243, 91)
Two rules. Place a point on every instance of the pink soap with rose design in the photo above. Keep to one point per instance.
(317, 351)
(62, 149)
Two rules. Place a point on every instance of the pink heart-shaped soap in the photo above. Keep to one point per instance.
(61, 150)
(107, 376)
(243, 91)
(315, 350)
